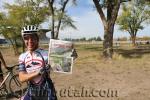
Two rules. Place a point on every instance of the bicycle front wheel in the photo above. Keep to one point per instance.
(17, 88)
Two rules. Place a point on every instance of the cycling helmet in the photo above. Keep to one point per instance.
(29, 29)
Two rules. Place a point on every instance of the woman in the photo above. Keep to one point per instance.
(33, 68)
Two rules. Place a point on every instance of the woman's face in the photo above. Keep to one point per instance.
(31, 42)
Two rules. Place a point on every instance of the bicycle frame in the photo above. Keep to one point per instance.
(6, 77)
(14, 86)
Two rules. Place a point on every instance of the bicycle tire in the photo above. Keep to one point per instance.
(17, 88)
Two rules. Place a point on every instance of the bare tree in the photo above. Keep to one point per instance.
(59, 17)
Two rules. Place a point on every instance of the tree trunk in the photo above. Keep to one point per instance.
(51, 2)
(16, 48)
(52, 35)
(108, 22)
(23, 47)
(108, 42)
(62, 14)
(133, 39)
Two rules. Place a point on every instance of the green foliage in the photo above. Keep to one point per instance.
(59, 18)
(133, 17)
(9, 31)
(84, 39)
(95, 39)
(67, 22)
(20, 14)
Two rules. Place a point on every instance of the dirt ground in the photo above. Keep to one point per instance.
(126, 77)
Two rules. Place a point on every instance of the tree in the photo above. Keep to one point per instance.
(108, 21)
(8, 31)
(133, 17)
(19, 15)
(59, 16)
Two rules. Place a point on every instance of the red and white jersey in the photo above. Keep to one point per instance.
(31, 62)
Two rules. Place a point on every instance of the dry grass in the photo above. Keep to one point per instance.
(128, 74)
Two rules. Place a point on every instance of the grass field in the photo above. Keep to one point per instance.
(126, 77)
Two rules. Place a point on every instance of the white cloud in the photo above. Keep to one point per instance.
(89, 25)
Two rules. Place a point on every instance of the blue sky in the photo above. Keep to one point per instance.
(88, 22)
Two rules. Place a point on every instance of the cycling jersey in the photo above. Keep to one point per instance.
(32, 62)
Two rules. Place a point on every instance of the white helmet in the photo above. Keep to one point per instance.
(29, 29)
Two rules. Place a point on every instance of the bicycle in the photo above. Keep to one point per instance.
(16, 88)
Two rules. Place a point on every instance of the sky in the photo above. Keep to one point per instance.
(88, 22)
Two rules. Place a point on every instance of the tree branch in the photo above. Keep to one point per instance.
(100, 11)
(115, 10)
(62, 14)
(51, 2)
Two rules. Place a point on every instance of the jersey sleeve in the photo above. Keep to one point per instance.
(22, 63)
